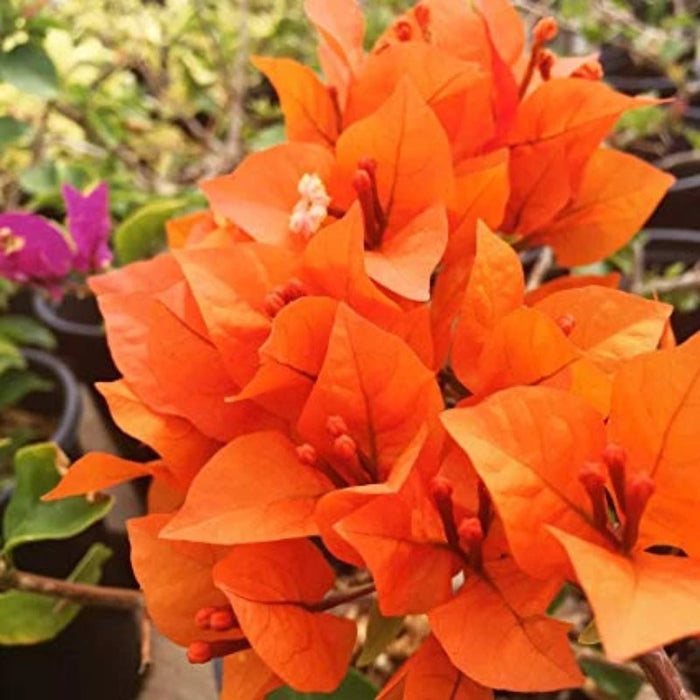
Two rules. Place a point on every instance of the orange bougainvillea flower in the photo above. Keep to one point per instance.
(160, 343)
(369, 399)
(550, 113)
(414, 541)
(310, 108)
(277, 593)
(222, 602)
(605, 211)
(430, 675)
(586, 331)
(396, 163)
(555, 178)
(556, 449)
(291, 357)
(341, 29)
(176, 580)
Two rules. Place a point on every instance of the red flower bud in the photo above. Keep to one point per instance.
(545, 30)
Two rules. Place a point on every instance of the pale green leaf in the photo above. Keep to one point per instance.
(354, 687)
(381, 631)
(28, 518)
(142, 235)
(29, 618)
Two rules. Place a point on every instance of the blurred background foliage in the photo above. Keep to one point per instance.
(150, 96)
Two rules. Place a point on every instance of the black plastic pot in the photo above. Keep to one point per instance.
(98, 655)
(680, 208)
(631, 77)
(79, 329)
(63, 402)
(666, 247)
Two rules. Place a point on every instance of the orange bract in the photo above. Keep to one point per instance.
(343, 347)
(305, 648)
(430, 675)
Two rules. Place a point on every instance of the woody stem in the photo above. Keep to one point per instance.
(83, 593)
(342, 597)
(663, 675)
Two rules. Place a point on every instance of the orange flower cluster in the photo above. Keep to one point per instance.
(341, 348)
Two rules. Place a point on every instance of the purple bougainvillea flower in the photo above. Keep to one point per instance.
(89, 225)
(33, 250)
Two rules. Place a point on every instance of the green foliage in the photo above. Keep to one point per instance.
(24, 330)
(12, 130)
(10, 356)
(17, 384)
(142, 235)
(29, 68)
(17, 381)
(354, 687)
(612, 681)
(28, 518)
(589, 636)
(30, 618)
(141, 95)
(381, 631)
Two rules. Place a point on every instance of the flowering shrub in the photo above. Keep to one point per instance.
(35, 251)
(343, 347)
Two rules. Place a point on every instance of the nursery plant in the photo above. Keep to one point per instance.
(17, 381)
(342, 356)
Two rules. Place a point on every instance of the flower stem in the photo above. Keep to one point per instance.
(663, 675)
(342, 597)
(83, 593)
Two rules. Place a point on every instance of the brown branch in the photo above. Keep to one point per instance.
(542, 266)
(663, 675)
(342, 597)
(686, 282)
(83, 593)
(146, 641)
(638, 259)
(121, 151)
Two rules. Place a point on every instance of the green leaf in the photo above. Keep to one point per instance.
(267, 137)
(29, 68)
(24, 330)
(11, 131)
(613, 681)
(10, 356)
(354, 687)
(589, 636)
(28, 519)
(559, 599)
(41, 180)
(15, 384)
(142, 235)
(381, 631)
(29, 618)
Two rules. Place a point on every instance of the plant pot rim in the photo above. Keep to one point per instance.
(660, 234)
(641, 83)
(72, 407)
(45, 310)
